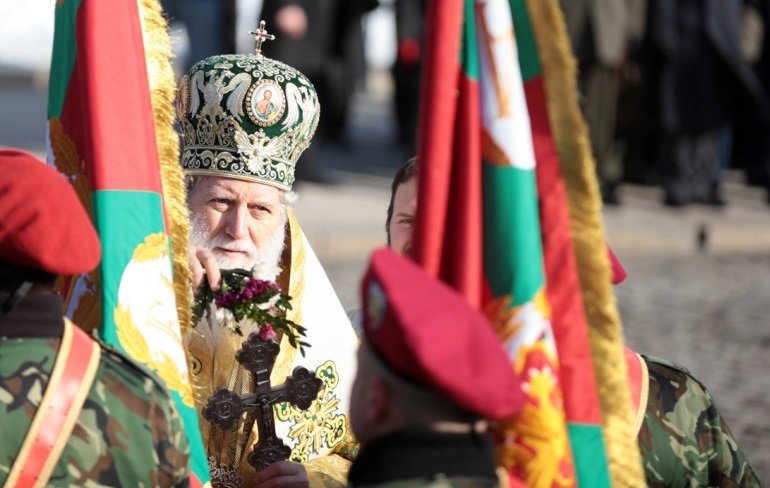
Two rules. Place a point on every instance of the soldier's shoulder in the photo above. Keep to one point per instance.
(127, 398)
(666, 372)
(115, 361)
(656, 361)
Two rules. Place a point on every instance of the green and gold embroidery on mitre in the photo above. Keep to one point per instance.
(246, 116)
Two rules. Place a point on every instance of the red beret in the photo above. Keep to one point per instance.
(425, 331)
(42, 223)
(618, 271)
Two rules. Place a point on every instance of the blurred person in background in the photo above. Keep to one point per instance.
(699, 77)
(601, 33)
(210, 26)
(751, 150)
(410, 16)
(324, 40)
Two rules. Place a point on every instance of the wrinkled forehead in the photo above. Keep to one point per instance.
(406, 195)
(236, 188)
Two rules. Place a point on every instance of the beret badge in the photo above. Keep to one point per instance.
(376, 305)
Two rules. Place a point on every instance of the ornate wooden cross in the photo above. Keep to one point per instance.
(261, 35)
(223, 410)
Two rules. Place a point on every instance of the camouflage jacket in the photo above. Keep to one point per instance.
(129, 432)
(684, 441)
(417, 458)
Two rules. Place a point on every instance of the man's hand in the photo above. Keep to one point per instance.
(203, 263)
(282, 474)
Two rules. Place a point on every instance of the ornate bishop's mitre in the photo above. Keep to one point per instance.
(245, 116)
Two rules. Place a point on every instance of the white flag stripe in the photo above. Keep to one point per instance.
(503, 103)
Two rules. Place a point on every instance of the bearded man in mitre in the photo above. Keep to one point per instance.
(239, 169)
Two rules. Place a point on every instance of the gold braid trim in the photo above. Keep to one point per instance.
(285, 359)
(157, 45)
(604, 332)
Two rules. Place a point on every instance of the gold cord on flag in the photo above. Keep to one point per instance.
(604, 329)
(160, 75)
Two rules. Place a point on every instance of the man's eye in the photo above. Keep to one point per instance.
(260, 209)
(219, 203)
(405, 221)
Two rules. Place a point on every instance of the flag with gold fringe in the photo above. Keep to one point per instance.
(110, 131)
(508, 214)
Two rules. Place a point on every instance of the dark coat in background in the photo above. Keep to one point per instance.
(698, 79)
(331, 54)
(601, 32)
(700, 73)
(751, 151)
(410, 23)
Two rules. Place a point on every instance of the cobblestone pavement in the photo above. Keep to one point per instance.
(709, 314)
(707, 310)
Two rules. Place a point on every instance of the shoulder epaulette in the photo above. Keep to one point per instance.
(674, 366)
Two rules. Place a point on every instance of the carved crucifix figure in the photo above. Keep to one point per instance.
(223, 410)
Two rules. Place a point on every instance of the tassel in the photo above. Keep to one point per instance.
(163, 92)
(578, 168)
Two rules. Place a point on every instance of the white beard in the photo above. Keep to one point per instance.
(264, 262)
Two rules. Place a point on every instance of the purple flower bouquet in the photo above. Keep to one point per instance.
(243, 297)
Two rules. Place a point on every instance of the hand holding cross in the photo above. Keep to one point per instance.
(225, 407)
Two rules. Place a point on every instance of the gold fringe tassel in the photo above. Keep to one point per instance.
(157, 45)
(577, 165)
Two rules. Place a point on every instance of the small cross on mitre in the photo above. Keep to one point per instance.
(261, 35)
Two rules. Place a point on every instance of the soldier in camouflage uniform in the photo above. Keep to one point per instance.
(419, 405)
(128, 432)
(683, 440)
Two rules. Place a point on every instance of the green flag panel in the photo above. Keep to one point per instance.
(525, 41)
(469, 55)
(63, 56)
(124, 219)
(590, 458)
(513, 257)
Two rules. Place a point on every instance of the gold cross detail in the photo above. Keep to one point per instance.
(261, 35)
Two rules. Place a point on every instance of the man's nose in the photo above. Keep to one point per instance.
(237, 223)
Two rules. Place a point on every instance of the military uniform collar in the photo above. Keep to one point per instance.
(425, 454)
(37, 315)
